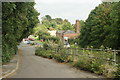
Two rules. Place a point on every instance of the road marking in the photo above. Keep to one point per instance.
(13, 71)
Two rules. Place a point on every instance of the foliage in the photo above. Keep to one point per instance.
(54, 39)
(101, 27)
(71, 41)
(117, 74)
(113, 39)
(42, 32)
(67, 25)
(18, 20)
(96, 27)
(56, 24)
(93, 62)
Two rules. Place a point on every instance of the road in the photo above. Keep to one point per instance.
(32, 66)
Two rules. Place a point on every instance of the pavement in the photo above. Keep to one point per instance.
(27, 65)
(9, 68)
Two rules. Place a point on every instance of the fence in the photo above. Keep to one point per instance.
(94, 60)
(103, 54)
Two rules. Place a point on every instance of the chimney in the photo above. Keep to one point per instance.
(77, 26)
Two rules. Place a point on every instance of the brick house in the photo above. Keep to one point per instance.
(69, 34)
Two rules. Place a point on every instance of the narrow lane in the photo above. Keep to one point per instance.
(32, 66)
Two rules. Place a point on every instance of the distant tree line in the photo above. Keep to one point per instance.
(102, 27)
(56, 24)
(18, 21)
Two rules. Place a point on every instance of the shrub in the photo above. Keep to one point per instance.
(8, 52)
(117, 74)
(83, 61)
(108, 70)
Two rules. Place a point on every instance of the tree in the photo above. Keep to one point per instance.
(59, 21)
(96, 26)
(66, 25)
(46, 17)
(41, 31)
(18, 20)
(113, 39)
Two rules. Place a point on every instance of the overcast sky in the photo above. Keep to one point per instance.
(66, 9)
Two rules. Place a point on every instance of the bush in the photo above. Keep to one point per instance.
(45, 46)
(8, 53)
(95, 65)
(54, 39)
(117, 74)
(83, 61)
(42, 52)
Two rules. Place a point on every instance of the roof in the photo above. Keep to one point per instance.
(66, 31)
(73, 35)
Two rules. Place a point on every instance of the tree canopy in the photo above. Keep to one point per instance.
(102, 27)
(57, 23)
(18, 20)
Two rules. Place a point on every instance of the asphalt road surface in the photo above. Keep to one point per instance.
(32, 66)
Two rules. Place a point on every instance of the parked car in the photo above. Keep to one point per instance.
(26, 39)
(31, 39)
(28, 42)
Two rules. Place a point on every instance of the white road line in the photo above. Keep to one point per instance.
(13, 71)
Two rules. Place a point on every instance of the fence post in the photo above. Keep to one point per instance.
(75, 51)
(91, 50)
(71, 51)
(114, 56)
(83, 51)
(56, 50)
(66, 51)
(90, 53)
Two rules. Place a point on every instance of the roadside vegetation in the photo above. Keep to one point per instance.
(100, 30)
(102, 27)
(56, 23)
(18, 20)
(95, 62)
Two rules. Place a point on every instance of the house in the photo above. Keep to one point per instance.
(69, 34)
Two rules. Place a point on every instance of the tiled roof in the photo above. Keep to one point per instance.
(66, 31)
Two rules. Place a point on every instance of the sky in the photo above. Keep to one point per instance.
(66, 9)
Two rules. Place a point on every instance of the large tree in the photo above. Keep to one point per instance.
(96, 26)
(18, 20)
(113, 39)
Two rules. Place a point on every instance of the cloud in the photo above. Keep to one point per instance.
(110, 0)
(66, 9)
(65, 1)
